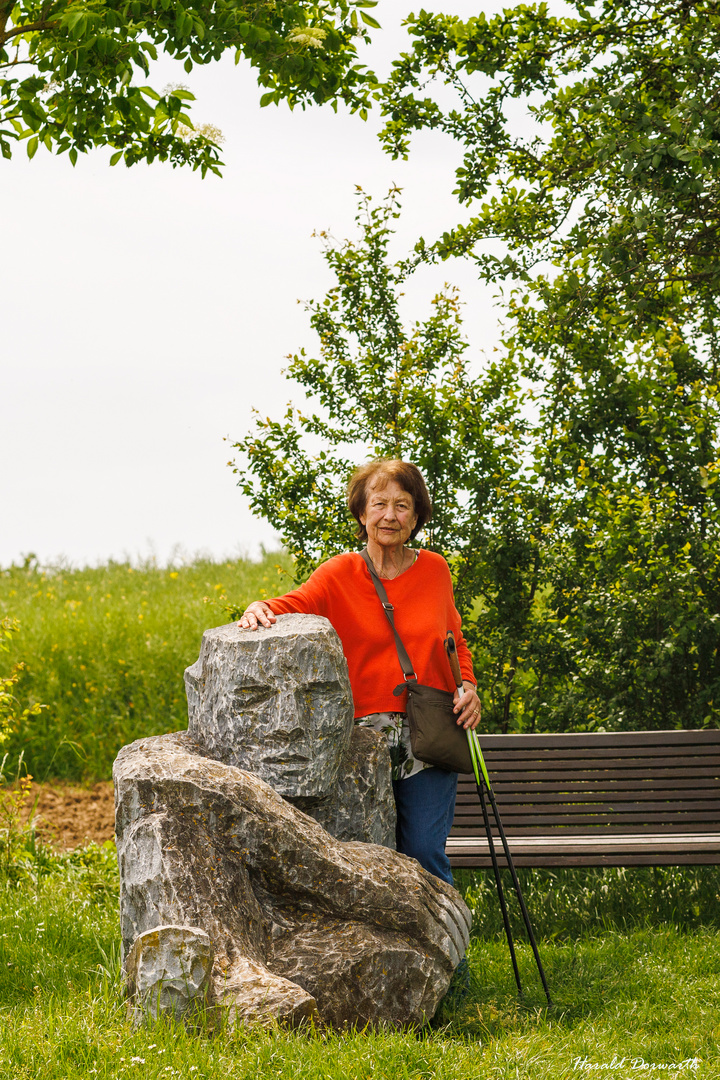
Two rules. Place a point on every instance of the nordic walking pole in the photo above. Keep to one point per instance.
(451, 651)
(479, 769)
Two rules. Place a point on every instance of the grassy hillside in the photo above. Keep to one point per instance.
(106, 648)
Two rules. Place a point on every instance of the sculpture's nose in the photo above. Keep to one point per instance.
(286, 708)
(286, 735)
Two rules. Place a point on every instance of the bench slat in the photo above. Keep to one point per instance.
(467, 789)
(618, 755)
(522, 763)
(588, 843)
(602, 830)
(650, 849)
(555, 862)
(585, 798)
(605, 774)
(702, 810)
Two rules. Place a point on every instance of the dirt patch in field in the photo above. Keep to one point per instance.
(70, 816)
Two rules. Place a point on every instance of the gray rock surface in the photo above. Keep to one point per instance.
(274, 701)
(361, 806)
(168, 970)
(301, 923)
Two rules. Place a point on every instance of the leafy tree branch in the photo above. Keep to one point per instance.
(89, 56)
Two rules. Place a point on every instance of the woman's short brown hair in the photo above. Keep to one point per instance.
(403, 473)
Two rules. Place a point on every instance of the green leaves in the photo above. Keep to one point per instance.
(629, 105)
(86, 55)
(639, 612)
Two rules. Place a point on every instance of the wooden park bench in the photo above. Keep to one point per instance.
(635, 798)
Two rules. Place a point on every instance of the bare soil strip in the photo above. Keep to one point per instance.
(69, 816)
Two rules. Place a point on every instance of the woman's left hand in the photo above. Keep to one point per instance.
(468, 706)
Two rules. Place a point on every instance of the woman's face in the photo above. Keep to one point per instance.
(389, 516)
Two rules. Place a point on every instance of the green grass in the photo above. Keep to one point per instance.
(106, 648)
(640, 987)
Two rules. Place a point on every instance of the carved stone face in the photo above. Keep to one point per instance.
(275, 702)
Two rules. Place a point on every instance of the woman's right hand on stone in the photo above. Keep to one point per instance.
(257, 614)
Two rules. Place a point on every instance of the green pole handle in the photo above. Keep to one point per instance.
(476, 756)
(478, 760)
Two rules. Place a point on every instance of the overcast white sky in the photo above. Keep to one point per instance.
(145, 311)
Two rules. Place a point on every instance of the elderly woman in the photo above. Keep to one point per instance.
(390, 502)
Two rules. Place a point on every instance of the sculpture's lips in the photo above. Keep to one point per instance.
(283, 758)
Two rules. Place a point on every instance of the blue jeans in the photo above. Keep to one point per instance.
(425, 805)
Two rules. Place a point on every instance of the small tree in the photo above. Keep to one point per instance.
(386, 390)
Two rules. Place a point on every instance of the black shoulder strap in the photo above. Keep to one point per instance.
(405, 661)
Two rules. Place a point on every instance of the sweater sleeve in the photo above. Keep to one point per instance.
(463, 652)
(310, 598)
(466, 666)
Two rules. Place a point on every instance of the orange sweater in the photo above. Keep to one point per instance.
(342, 590)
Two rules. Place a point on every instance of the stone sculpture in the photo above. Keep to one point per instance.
(276, 702)
(361, 806)
(299, 924)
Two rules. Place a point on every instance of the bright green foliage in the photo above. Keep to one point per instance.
(72, 72)
(106, 649)
(618, 184)
(632, 636)
(11, 713)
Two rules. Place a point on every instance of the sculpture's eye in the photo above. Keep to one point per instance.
(315, 694)
(249, 697)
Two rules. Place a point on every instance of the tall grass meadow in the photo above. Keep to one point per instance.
(105, 649)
